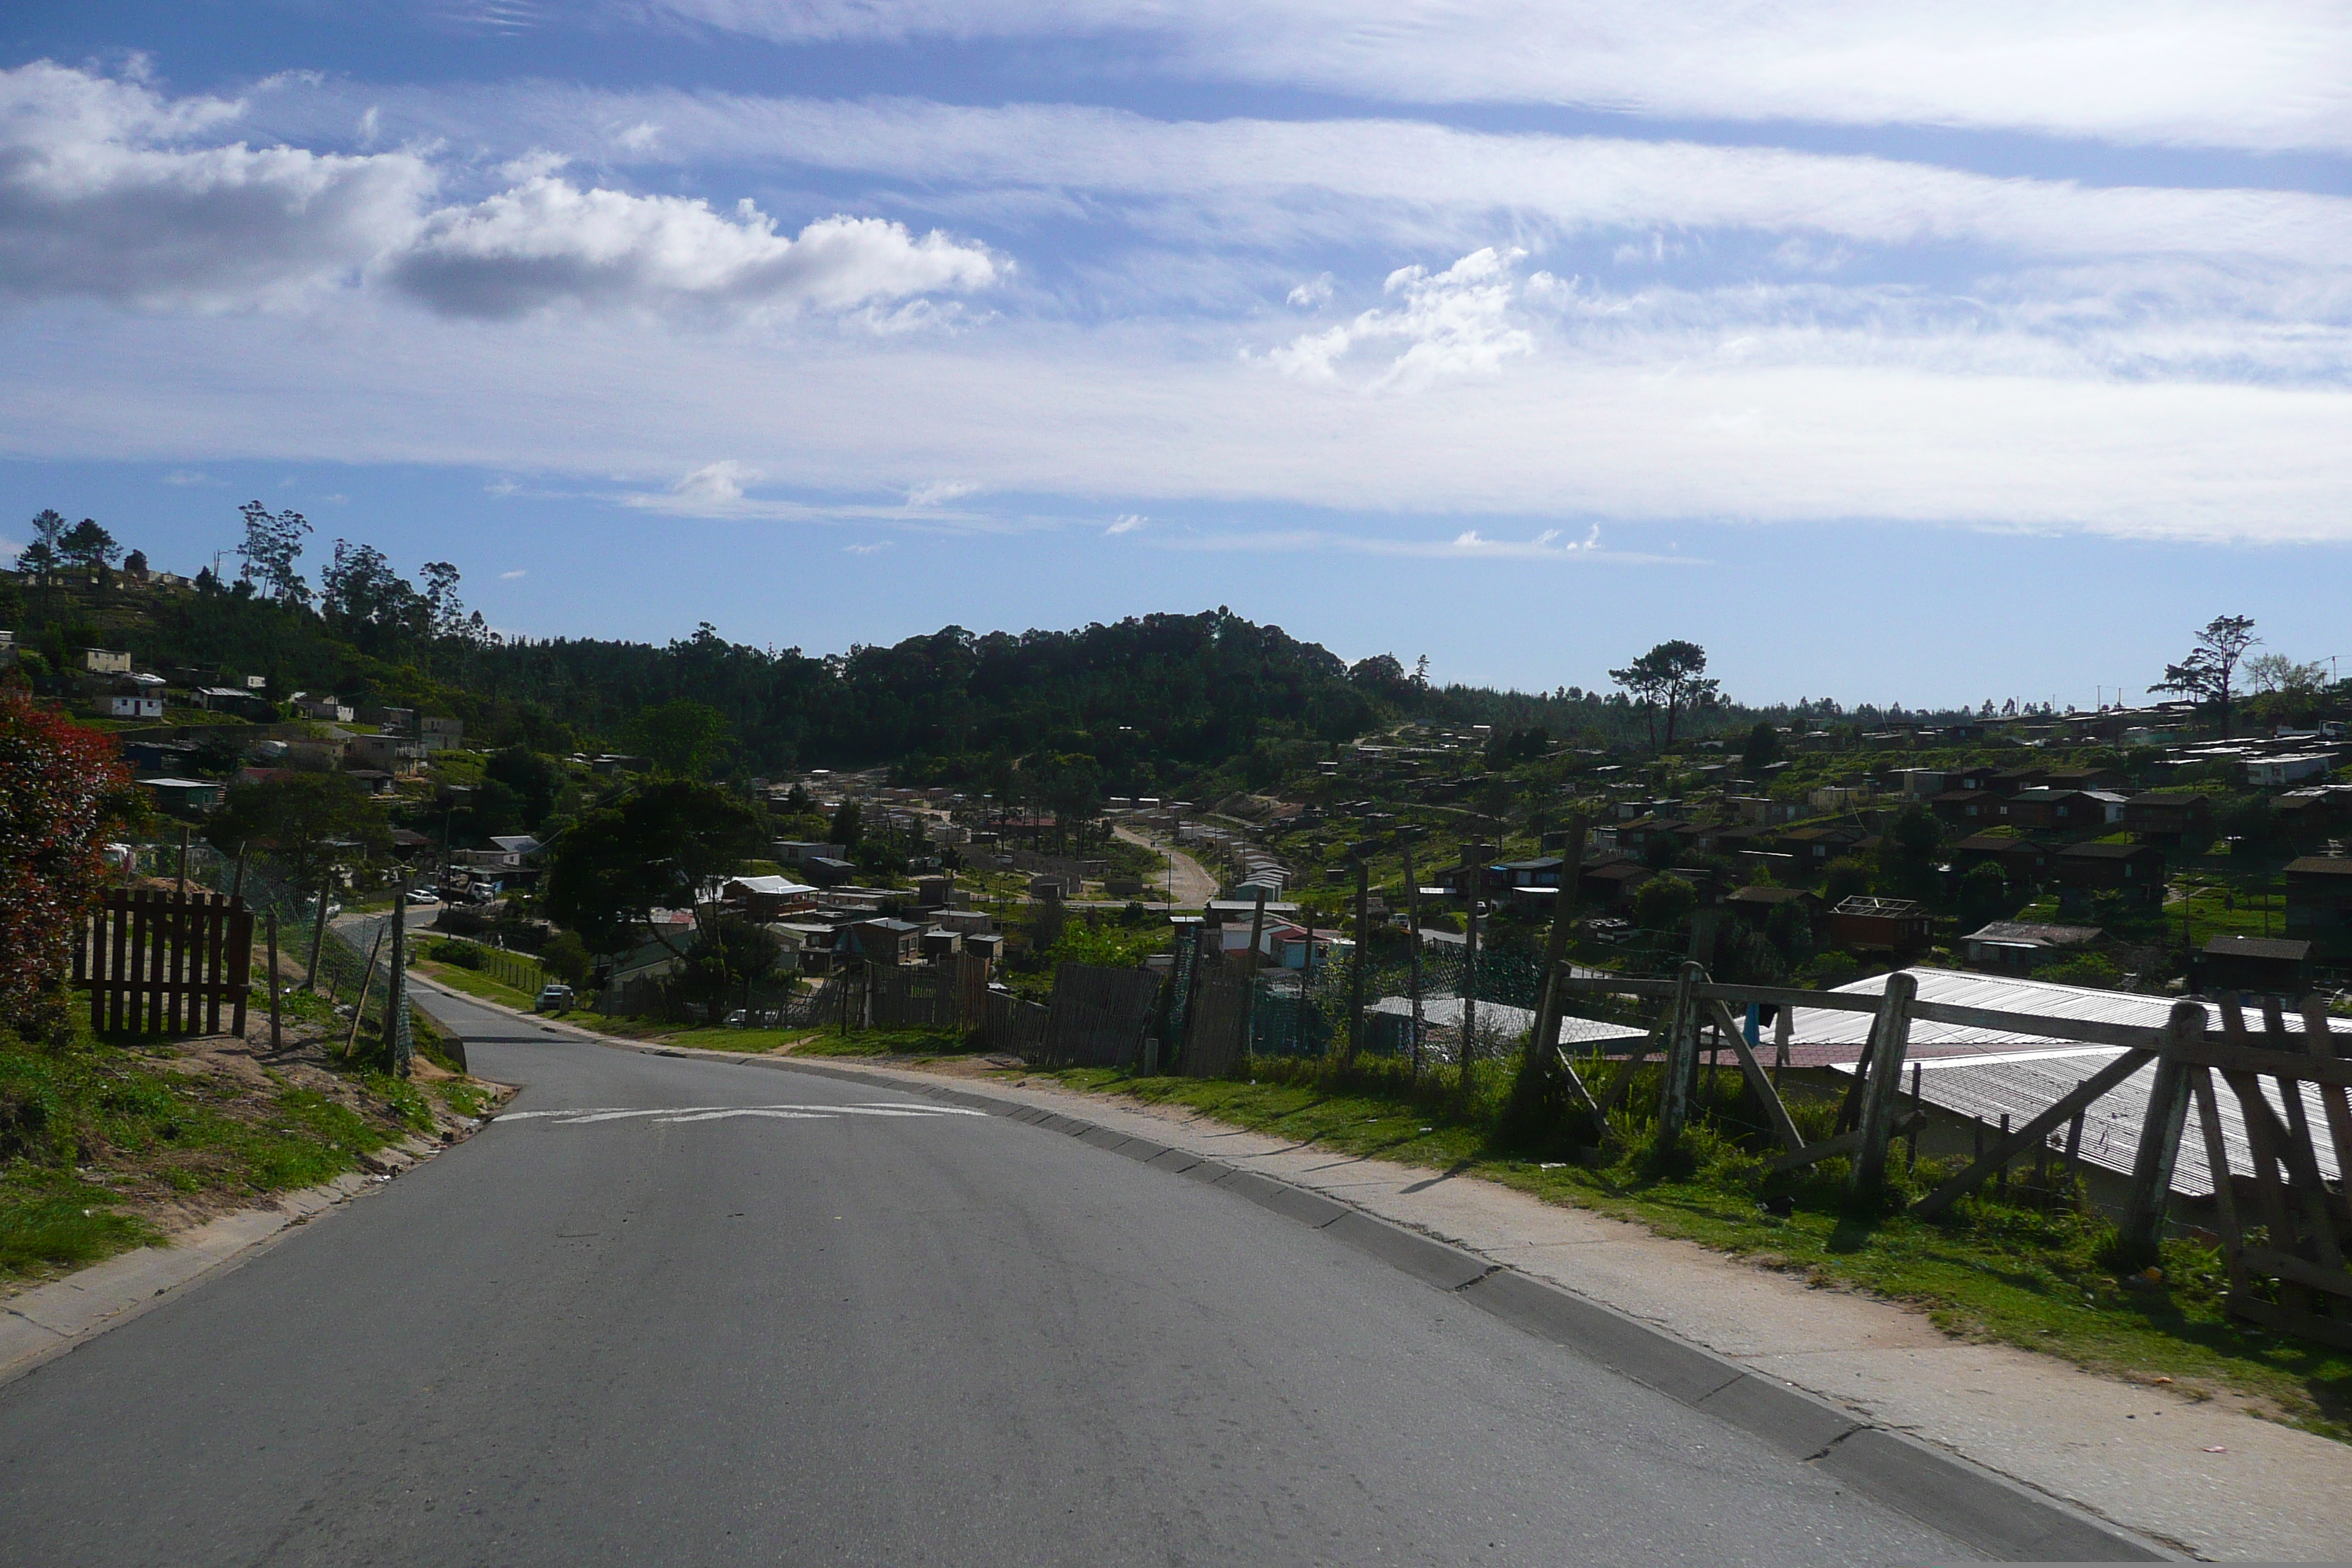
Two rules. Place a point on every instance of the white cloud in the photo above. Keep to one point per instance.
(879, 544)
(547, 241)
(2265, 74)
(1312, 295)
(188, 476)
(512, 576)
(1454, 323)
(939, 492)
(103, 194)
(107, 190)
(1130, 523)
(716, 484)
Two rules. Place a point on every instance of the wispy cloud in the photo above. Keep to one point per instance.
(1132, 522)
(2261, 75)
(1454, 323)
(512, 576)
(939, 492)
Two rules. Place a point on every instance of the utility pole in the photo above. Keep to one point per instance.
(1363, 953)
(396, 984)
(1413, 927)
(1473, 876)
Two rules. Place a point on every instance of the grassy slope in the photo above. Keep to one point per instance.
(474, 983)
(92, 1134)
(2010, 1273)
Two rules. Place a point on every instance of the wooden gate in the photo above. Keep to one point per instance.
(1216, 1034)
(2305, 1228)
(1098, 1016)
(155, 963)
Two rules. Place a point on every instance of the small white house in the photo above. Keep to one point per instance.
(134, 707)
(2287, 770)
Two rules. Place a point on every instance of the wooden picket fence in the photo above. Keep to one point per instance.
(2305, 1223)
(164, 963)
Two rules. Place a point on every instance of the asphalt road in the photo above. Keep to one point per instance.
(724, 1314)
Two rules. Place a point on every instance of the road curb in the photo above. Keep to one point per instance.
(2005, 1518)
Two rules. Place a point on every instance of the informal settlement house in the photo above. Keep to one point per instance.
(2319, 898)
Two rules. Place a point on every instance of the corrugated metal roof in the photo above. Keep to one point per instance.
(1502, 1021)
(2021, 1083)
(1820, 1026)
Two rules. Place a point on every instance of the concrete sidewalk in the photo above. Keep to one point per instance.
(2137, 1456)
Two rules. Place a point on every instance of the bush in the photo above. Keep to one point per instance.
(464, 954)
(1662, 903)
(566, 958)
(1847, 877)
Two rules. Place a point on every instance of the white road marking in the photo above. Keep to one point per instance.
(741, 1111)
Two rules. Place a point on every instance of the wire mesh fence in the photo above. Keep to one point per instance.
(341, 960)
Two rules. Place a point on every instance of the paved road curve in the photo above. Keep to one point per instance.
(717, 1314)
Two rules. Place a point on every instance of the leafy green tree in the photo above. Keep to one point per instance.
(1984, 894)
(847, 828)
(652, 848)
(273, 542)
(1789, 928)
(683, 737)
(45, 557)
(1672, 675)
(2208, 673)
(87, 547)
(537, 780)
(305, 822)
(1906, 854)
(722, 957)
(566, 957)
(1846, 878)
(1662, 903)
(1762, 750)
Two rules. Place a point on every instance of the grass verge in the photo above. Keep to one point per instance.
(474, 983)
(2028, 1273)
(107, 1143)
(924, 1043)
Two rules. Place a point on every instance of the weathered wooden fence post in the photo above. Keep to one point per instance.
(274, 1041)
(1363, 956)
(1882, 1096)
(1552, 998)
(2142, 1226)
(1682, 1056)
(318, 932)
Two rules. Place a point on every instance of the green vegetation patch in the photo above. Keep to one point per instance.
(99, 1138)
(886, 1042)
(2031, 1272)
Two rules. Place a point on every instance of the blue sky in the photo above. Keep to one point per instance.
(1894, 351)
